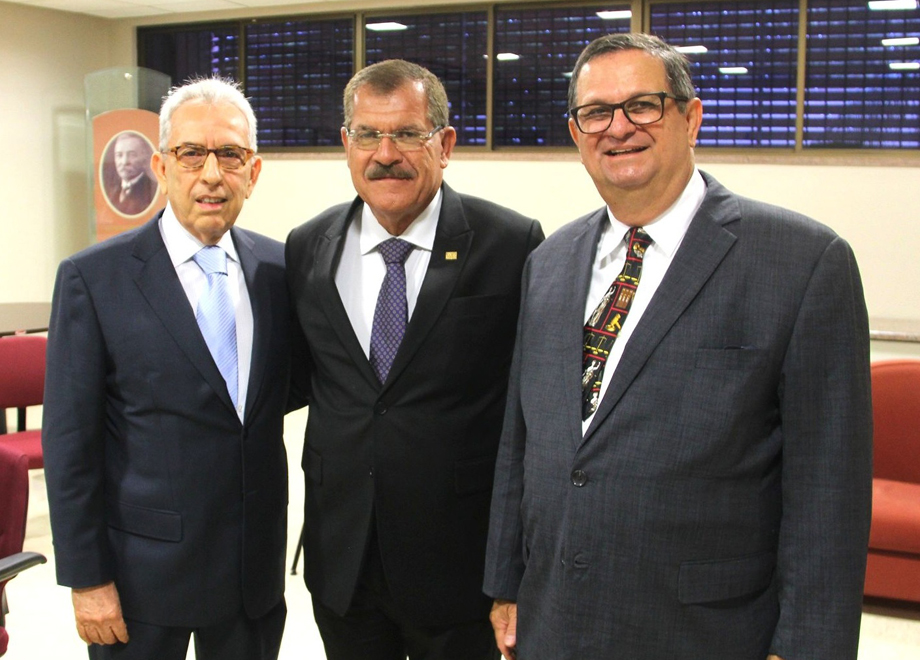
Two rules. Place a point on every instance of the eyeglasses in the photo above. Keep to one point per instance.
(194, 156)
(369, 140)
(640, 110)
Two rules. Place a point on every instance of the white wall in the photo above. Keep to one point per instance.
(45, 54)
(876, 209)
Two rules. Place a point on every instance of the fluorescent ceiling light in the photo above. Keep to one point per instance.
(880, 5)
(692, 49)
(385, 27)
(904, 66)
(507, 57)
(733, 70)
(615, 15)
(901, 41)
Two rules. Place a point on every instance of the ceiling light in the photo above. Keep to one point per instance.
(692, 49)
(901, 41)
(507, 57)
(880, 5)
(904, 66)
(615, 15)
(385, 27)
(733, 70)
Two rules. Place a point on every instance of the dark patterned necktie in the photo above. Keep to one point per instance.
(605, 323)
(391, 313)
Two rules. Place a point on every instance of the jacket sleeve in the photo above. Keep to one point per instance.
(73, 433)
(504, 551)
(826, 415)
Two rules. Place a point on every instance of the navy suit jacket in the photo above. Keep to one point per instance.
(153, 481)
(718, 505)
(416, 453)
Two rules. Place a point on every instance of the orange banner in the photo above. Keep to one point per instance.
(125, 189)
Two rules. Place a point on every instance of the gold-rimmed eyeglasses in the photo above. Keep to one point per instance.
(641, 109)
(369, 139)
(194, 156)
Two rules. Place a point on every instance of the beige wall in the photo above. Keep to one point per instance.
(44, 56)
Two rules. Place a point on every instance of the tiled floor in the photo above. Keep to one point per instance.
(41, 621)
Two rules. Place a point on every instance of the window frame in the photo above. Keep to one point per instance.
(640, 21)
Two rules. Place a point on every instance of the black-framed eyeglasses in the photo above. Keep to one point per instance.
(194, 156)
(640, 110)
(369, 140)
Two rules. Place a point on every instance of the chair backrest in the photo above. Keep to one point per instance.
(896, 419)
(22, 370)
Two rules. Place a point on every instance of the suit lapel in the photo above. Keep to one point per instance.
(449, 254)
(262, 314)
(327, 257)
(158, 283)
(702, 250)
(582, 251)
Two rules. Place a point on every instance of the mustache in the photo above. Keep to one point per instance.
(378, 171)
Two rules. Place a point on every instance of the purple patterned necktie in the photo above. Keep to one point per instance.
(391, 313)
(603, 328)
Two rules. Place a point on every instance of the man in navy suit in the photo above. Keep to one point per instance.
(399, 461)
(166, 476)
(705, 495)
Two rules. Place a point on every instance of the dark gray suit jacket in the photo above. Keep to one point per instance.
(153, 481)
(417, 453)
(725, 512)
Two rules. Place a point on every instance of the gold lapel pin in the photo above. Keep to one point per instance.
(450, 256)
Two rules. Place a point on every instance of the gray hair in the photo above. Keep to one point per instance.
(388, 76)
(212, 91)
(676, 65)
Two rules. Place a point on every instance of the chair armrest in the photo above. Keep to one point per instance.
(11, 566)
(895, 516)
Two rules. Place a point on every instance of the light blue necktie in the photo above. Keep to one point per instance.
(216, 316)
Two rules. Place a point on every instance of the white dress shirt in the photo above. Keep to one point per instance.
(361, 269)
(667, 231)
(182, 247)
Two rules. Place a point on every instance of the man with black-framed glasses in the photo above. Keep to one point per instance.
(169, 359)
(685, 465)
(408, 297)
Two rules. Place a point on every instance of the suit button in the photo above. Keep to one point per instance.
(380, 408)
(579, 478)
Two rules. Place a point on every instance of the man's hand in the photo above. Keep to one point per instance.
(98, 614)
(504, 623)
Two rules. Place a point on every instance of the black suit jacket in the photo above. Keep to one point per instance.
(153, 481)
(416, 453)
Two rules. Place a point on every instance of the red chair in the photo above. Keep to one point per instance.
(893, 566)
(14, 501)
(22, 384)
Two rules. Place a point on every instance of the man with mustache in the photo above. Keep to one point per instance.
(408, 297)
(685, 469)
(131, 190)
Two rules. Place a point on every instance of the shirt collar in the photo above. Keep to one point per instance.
(125, 185)
(420, 233)
(668, 229)
(181, 245)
